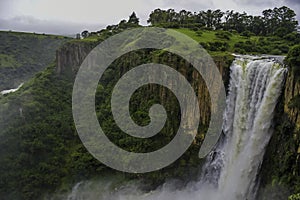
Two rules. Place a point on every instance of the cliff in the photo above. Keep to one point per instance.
(291, 94)
(281, 162)
(70, 56)
(24, 54)
(281, 166)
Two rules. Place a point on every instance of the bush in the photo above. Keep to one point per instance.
(223, 35)
(218, 46)
(276, 52)
(291, 36)
(204, 45)
(240, 51)
(199, 33)
(247, 46)
(293, 59)
(233, 31)
(247, 34)
(284, 48)
(280, 32)
(294, 197)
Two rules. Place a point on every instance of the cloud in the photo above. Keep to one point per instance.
(191, 5)
(262, 5)
(32, 24)
(258, 3)
(295, 4)
(72, 16)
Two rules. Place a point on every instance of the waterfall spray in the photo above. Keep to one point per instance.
(231, 170)
(255, 86)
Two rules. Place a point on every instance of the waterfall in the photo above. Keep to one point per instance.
(231, 170)
(255, 86)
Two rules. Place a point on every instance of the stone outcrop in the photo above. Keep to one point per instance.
(70, 56)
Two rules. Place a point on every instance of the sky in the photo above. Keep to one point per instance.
(66, 17)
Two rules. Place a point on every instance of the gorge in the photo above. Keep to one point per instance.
(232, 170)
(43, 157)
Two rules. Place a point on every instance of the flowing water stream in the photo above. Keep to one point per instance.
(231, 171)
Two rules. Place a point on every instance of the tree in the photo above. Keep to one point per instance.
(133, 19)
(282, 18)
(217, 19)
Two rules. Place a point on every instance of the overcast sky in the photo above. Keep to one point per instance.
(74, 16)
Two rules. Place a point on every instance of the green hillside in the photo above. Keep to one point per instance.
(41, 153)
(24, 54)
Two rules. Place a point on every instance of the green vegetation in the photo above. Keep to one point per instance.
(293, 60)
(281, 164)
(24, 54)
(235, 35)
(41, 152)
(277, 21)
(133, 22)
(294, 197)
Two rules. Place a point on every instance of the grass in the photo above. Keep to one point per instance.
(39, 35)
(210, 36)
(223, 42)
(8, 61)
(24, 54)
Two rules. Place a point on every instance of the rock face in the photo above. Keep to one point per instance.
(292, 91)
(70, 56)
(281, 165)
(282, 157)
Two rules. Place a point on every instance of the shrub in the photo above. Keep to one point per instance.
(262, 42)
(218, 46)
(276, 52)
(294, 197)
(223, 35)
(240, 51)
(284, 48)
(199, 33)
(248, 46)
(247, 34)
(293, 59)
(233, 31)
(280, 32)
(290, 37)
(204, 45)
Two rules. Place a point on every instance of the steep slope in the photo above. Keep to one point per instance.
(47, 154)
(24, 54)
(41, 150)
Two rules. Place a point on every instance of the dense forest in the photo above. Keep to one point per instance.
(41, 152)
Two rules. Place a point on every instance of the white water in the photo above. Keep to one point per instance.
(231, 171)
(253, 93)
(11, 90)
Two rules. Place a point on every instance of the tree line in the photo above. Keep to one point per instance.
(277, 21)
